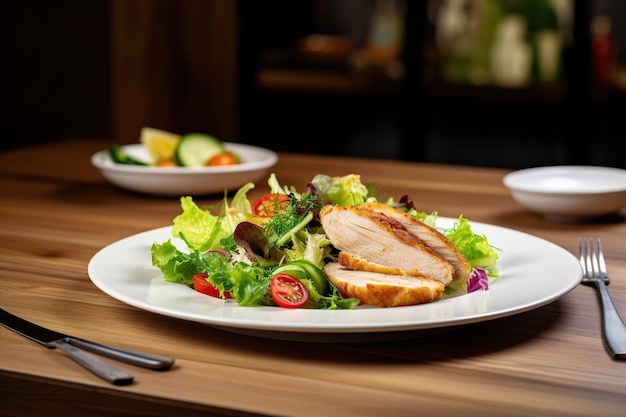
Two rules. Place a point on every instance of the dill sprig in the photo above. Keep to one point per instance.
(293, 217)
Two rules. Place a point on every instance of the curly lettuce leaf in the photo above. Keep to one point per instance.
(344, 191)
(276, 188)
(203, 230)
(176, 266)
(313, 247)
(474, 247)
(250, 285)
(200, 228)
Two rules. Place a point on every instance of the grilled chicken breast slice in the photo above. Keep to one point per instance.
(431, 237)
(383, 290)
(380, 239)
(351, 261)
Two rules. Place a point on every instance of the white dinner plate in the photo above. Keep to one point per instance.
(534, 272)
(177, 181)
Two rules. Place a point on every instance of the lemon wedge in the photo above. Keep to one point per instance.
(160, 144)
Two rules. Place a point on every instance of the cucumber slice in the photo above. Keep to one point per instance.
(195, 149)
(303, 269)
(120, 157)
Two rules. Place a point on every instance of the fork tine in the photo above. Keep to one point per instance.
(593, 258)
(586, 257)
(602, 264)
(582, 255)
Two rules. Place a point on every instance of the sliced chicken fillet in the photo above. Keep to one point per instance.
(380, 239)
(351, 261)
(384, 290)
(430, 236)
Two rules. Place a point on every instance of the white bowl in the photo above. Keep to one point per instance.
(181, 181)
(569, 193)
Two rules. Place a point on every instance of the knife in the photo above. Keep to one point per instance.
(73, 346)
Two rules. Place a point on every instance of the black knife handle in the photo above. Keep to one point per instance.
(103, 369)
(142, 359)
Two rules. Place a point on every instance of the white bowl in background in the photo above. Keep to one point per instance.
(182, 181)
(569, 193)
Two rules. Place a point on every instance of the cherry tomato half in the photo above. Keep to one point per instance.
(166, 163)
(288, 291)
(201, 284)
(270, 204)
(223, 158)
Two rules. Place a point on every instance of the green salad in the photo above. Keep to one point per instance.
(272, 251)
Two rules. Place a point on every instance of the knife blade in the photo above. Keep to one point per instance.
(72, 346)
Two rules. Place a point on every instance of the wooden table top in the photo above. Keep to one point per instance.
(57, 211)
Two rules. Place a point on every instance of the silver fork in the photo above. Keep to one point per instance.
(594, 273)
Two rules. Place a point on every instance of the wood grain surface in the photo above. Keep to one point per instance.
(57, 211)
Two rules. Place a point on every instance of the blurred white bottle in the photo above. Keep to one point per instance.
(511, 56)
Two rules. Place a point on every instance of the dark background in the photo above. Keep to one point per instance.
(105, 68)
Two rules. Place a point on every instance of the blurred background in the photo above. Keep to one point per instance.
(501, 83)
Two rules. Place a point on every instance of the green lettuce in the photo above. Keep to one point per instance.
(203, 230)
(474, 247)
(344, 191)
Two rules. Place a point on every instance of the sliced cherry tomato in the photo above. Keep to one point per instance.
(270, 204)
(201, 284)
(288, 291)
(166, 163)
(223, 158)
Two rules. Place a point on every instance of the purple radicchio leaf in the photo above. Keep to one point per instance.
(478, 280)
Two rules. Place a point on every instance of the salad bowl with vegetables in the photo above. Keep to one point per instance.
(167, 164)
